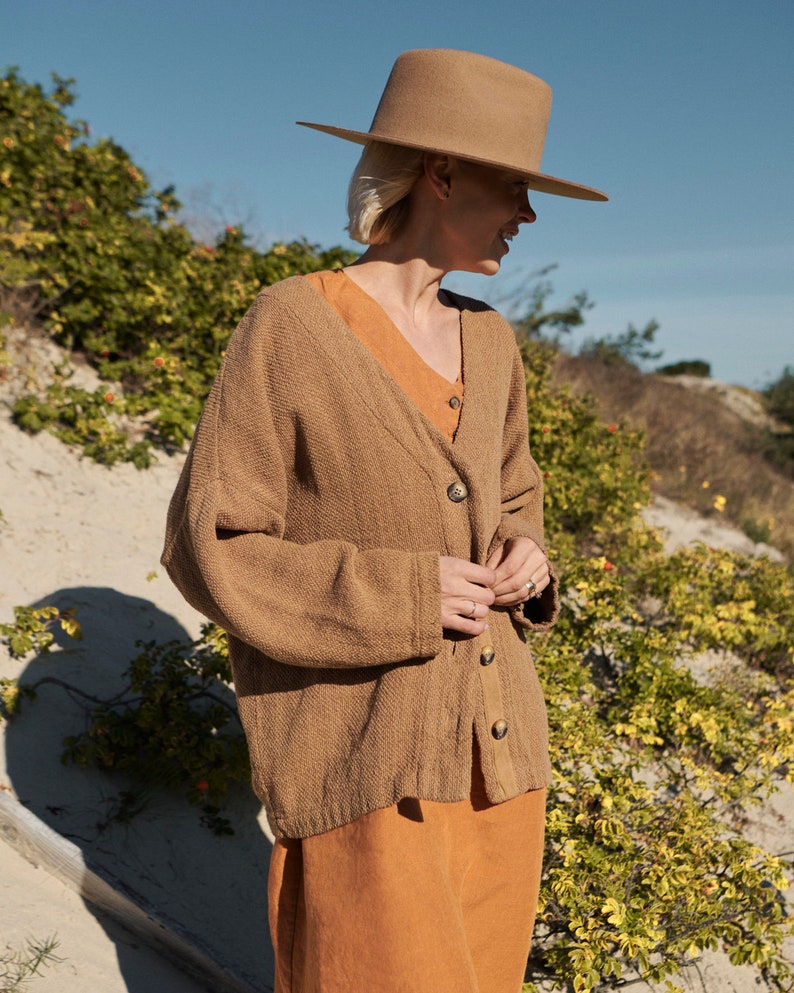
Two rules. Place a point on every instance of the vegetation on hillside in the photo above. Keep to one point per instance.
(780, 397)
(703, 454)
(89, 249)
(780, 440)
(660, 761)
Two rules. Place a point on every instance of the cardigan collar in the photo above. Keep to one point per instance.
(378, 390)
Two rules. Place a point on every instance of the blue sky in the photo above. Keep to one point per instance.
(681, 111)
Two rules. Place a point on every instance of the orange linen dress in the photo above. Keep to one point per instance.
(419, 897)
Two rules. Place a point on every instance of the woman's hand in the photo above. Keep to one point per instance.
(518, 562)
(466, 594)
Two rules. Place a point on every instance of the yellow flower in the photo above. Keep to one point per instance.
(705, 484)
(719, 503)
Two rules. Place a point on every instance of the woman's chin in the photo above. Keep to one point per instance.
(483, 267)
(490, 267)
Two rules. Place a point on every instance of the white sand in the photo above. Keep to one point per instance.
(76, 534)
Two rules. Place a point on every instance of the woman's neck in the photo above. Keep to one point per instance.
(398, 281)
(409, 291)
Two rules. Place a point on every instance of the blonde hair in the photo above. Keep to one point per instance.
(377, 198)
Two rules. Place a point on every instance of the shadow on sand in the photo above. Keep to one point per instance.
(214, 889)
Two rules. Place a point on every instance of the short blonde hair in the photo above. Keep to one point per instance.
(377, 198)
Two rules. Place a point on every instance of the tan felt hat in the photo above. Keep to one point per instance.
(470, 106)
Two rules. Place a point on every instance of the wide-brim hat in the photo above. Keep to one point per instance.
(469, 106)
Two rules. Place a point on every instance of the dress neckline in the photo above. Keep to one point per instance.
(442, 378)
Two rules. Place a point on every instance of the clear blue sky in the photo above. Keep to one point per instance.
(681, 111)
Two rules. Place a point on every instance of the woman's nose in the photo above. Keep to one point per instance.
(526, 215)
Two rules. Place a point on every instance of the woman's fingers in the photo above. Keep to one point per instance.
(466, 594)
(515, 572)
(518, 588)
(522, 571)
(466, 580)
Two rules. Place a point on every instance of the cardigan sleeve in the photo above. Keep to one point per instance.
(325, 603)
(522, 500)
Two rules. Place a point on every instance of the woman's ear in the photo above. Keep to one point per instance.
(438, 173)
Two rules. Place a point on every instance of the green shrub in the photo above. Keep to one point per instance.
(31, 631)
(688, 367)
(779, 444)
(100, 259)
(656, 763)
(175, 724)
(780, 397)
(596, 475)
(778, 449)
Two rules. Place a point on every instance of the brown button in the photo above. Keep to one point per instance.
(457, 491)
(487, 655)
(499, 730)
(454, 402)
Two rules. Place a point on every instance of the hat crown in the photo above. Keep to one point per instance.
(470, 106)
(465, 104)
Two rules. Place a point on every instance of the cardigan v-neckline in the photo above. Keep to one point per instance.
(354, 354)
(397, 333)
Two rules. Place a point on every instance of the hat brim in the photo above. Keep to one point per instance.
(536, 180)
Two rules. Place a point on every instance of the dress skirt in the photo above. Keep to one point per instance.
(420, 897)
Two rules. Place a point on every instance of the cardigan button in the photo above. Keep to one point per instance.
(487, 655)
(499, 730)
(454, 402)
(457, 491)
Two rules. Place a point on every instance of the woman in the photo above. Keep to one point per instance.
(360, 511)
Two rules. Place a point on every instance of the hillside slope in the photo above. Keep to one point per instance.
(703, 442)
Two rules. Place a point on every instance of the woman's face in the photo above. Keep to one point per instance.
(482, 215)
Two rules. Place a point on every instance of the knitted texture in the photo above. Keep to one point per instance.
(308, 522)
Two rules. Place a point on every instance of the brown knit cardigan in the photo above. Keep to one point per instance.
(308, 522)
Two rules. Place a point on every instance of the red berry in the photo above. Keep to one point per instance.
(202, 785)
(546, 429)
(159, 361)
(109, 398)
(612, 428)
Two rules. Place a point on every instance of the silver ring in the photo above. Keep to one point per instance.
(530, 587)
